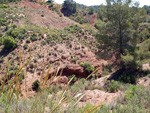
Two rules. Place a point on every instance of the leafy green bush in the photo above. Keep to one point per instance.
(3, 22)
(36, 85)
(70, 6)
(88, 67)
(15, 34)
(34, 38)
(130, 62)
(25, 46)
(9, 43)
(1, 40)
(91, 11)
(78, 19)
(131, 92)
(127, 77)
(107, 69)
(74, 59)
(42, 15)
(74, 78)
(28, 40)
(140, 56)
(43, 43)
(112, 86)
(3, 6)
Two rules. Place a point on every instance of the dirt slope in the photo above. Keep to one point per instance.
(42, 16)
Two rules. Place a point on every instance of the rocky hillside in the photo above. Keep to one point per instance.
(46, 59)
(50, 39)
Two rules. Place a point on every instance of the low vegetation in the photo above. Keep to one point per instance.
(34, 59)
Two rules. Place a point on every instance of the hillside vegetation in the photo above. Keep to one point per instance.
(72, 58)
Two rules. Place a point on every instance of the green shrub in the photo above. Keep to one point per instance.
(51, 5)
(88, 67)
(3, 6)
(85, 37)
(78, 19)
(34, 38)
(6, 28)
(31, 65)
(127, 77)
(9, 43)
(74, 59)
(35, 60)
(105, 72)
(42, 15)
(43, 43)
(1, 60)
(131, 92)
(81, 21)
(130, 62)
(25, 46)
(15, 34)
(3, 22)
(1, 35)
(74, 78)
(91, 11)
(50, 53)
(112, 86)
(1, 40)
(28, 40)
(36, 85)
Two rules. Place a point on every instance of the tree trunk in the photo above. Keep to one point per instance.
(120, 39)
(121, 46)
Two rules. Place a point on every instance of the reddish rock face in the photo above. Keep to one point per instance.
(74, 69)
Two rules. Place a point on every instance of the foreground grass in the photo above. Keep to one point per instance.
(57, 99)
(136, 99)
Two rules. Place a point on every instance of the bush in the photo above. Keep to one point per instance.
(25, 46)
(43, 43)
(34, 38)
(74, 59)
(42, 15)
(28, 40)
(91, 11)
(3, 6)
(112, 86)
(128, 78)
(70, 6)
(9, 43)
(36, 85)
(3, 22)
(88, 67)
(15, 34)
(78, 19)
(129, 62)
(131, 92)
(74, 78)
(1, 40)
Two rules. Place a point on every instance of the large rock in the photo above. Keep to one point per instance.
(74, 69)
(96, 97)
